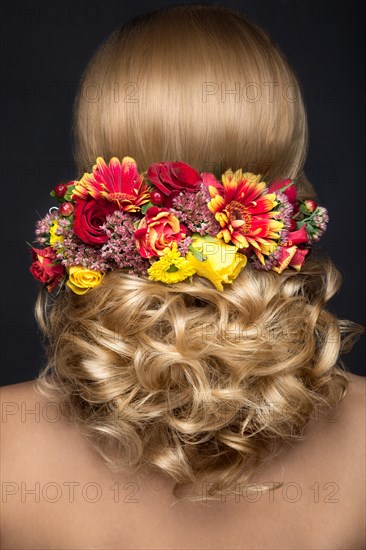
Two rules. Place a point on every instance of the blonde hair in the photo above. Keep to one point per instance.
(159, 89)
(201, 384)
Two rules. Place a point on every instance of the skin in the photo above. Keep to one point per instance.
(321, 507)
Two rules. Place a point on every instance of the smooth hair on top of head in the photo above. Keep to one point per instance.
(202, 385)
(201, 84)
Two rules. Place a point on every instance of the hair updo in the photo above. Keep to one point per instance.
(198, 383)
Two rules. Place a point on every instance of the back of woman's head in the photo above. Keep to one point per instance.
(199, 84)
(202, 384)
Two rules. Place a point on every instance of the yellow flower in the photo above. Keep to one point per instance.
(171, 267)
(82, 279)
(53, 237)
(222, 262)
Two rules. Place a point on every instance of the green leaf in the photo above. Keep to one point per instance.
(61, 284)
(146, 207)
(149, 184)
(210, 239)
(29, 244)
(69, 192)
(59, 199)
(284, 187)
(198, 255)
(172, 269)
(304, 210)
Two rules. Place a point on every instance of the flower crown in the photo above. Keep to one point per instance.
(171, 223)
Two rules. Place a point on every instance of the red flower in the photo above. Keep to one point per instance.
(88, 217)
(311, 205)
(245, 211)
(157, 230)
(43, 268)
(290, 253)
(290, 192)
(299, 258)
(119, 183)
(172, 177)
(298, 237)
(290, 256)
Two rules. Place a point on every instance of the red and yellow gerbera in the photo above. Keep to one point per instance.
(245, 212)
(118, 182)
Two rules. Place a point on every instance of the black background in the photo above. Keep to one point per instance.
(45, 47)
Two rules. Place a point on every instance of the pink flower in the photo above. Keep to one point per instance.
(209, 179)
(157, 230)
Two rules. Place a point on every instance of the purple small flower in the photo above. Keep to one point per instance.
(191, 209)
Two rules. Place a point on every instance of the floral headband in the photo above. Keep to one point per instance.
(171, 223)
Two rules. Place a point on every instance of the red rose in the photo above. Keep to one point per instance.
(88, 217)
(172, 177)
(157, 230)
(290, 256)
(43, 268)
(299, 258)
(290, 192)
(298, 237)
(290, 253)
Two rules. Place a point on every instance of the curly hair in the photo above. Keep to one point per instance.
(202, 385)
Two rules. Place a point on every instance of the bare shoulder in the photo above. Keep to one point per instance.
(42, 449)
(18, 394)
(33, 430)
(352, 408)
(352, 421)
(344, 430)
(336, 445)
(48, 470)
(357, 388)
(22, 408)
(23, 391)
(25, 410)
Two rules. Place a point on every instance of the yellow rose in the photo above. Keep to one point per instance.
(82, 279)
(222, 262)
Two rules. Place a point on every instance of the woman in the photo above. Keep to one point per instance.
(193, 396)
